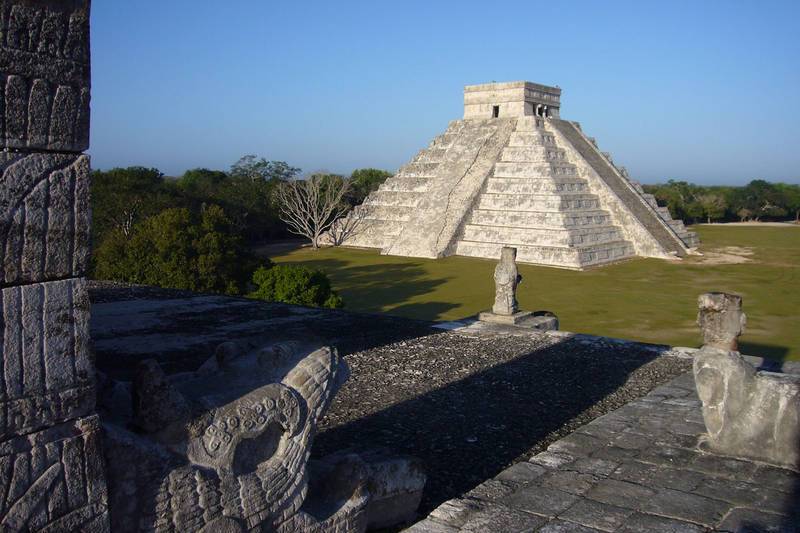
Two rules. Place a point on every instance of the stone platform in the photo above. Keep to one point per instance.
(523, 319)
(636, 469)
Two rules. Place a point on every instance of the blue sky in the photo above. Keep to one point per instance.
(704, 91)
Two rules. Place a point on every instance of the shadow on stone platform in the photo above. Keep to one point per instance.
(470, 429)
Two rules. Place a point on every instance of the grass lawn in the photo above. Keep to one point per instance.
(644, 299)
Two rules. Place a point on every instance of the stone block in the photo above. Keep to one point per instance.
(684, 506)
(514, 319)
(44, 74)
(54, 480)
(44, 217)
(47, 371)
(597, 515)
(225, 448)
(748, 413)
(540, 500)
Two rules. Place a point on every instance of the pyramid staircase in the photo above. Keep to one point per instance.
(512, 173)
(536, 202)
(386, 210)
(690, 238)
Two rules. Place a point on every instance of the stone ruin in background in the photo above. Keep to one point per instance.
(225, 448)
(748, 413)
(512, 173)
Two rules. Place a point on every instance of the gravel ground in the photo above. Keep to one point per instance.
(470, 406)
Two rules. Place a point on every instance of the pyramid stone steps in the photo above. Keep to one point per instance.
(540, 219)
(383, 212)
(504, 185)
(431, 155)
(504, 169)
(512, 174)
(405, 184)
(542, 237)
(532, 154)
(469, 161)
(529, 138)
(624, 190)
(417, 170)
(528, 123)
(577, 257)
(538, 202)
(394, 198)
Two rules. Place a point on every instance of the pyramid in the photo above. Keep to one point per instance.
(512, 173)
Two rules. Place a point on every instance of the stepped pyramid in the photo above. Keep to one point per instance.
(512, 173)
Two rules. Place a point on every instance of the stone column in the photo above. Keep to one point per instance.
(721, 320)
(50, 457)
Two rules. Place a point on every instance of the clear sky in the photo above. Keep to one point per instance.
(705, 91)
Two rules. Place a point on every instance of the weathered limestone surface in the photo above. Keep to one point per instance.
(44, 216)
(747, 413)
(516, 98)
(721, 320)
(44, 74)
(635, 469)
(505, 310)
(659, 229)
(51, 461)
(395, 484)
(48, 373)
(228, 445)
(54, 480)
(477, 188)
(506, 279)
(437, 216)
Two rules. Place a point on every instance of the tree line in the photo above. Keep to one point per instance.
(759, 200)
(197, 231)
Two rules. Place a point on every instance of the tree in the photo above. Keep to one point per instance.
(744, 214)
(713, 205)
(309, 207)
(123, 196)
(790, 195)
(295, 284)
(761, 198)
(255, 168)
(202, 180)
(180, 250)
(363, 181)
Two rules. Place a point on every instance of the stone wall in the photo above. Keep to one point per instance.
(50, 453)
(513, 99)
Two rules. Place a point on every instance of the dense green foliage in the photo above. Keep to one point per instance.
(758, 200)
(178, 249)
(195, 231)
(295, 284)
(363, 181)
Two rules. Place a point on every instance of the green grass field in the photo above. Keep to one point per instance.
(644, 299)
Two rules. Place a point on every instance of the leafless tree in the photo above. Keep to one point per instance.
(311, 206)
(347, 226)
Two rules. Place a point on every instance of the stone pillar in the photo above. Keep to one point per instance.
(50, 457)
(747, 413)
(721, 320)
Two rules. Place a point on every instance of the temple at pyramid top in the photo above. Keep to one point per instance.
(511, 99)
(513, 173)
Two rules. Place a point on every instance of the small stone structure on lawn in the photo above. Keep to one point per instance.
(512, 173)
(51, 462)
(505, 309)
(748, 413)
